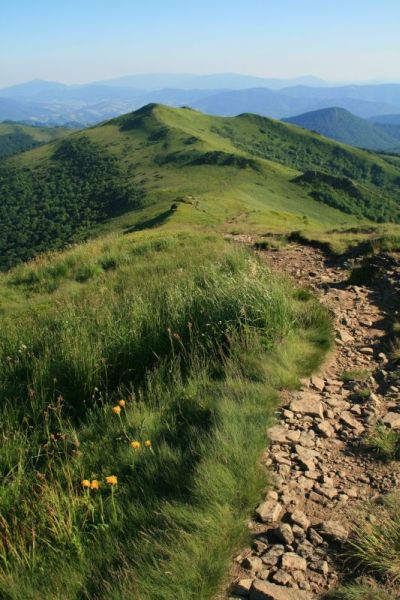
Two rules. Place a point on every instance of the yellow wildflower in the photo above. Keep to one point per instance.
(112, 480)
(148, 443)
(95, 484)
(116, 410)
(122, 403)
(135, 444)
(85, 483)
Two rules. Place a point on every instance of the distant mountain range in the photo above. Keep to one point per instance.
(224, 94)
(232, 81)
(341, 125)
(386, 119)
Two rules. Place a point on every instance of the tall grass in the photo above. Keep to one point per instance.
(376, 544)
(196, 338)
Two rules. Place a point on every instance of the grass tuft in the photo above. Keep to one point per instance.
(359, 375)
(384, 442)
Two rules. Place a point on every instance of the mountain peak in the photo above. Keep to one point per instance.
(341, 125)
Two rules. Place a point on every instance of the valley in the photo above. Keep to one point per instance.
(15, 138)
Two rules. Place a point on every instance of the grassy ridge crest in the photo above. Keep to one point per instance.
(234, 174)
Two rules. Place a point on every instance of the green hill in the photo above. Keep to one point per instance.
(341, 125)
(16, 138)
(139, 369)
(242, 173)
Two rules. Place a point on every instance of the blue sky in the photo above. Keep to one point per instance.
(78, 41)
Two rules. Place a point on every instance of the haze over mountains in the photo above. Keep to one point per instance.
(220, 94)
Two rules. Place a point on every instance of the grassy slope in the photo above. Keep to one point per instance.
(156, 146)
(196, 337)
(17, 138)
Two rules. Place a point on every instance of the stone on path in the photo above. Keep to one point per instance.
(326, 429)
(318, 382)
(253, 564)
(345, 337)
(277, 434)
(242, 587)
(285, 533)
(281, 577)
(269, 511)
(306, 457)
(300, 518)
(392, 420)
(308, 404)
(262, 590)
(293, 562)
(334, 530)
(351, 422)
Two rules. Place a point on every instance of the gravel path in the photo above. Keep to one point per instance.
(316, 453)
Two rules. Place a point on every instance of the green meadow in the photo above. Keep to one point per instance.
(196, 338)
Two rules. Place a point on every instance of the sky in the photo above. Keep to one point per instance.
(87, 40)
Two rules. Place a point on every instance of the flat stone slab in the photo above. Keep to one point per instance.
(308, 404)
(293, 562)
(262, 590)
(278, 434)
(334, 530)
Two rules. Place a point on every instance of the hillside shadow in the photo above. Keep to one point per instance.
(156, 221)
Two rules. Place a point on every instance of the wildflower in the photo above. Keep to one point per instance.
(116, 410)
(135, 444)
(95, 484)
(122, 403)
(85, 483)
(112, 480)
(148, 443)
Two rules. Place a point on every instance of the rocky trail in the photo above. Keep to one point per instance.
(321, 470)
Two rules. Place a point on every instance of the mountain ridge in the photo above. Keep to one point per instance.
(341, 125)
(273, 174)
(219, 95)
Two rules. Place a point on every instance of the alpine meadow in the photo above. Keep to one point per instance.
(199, 302)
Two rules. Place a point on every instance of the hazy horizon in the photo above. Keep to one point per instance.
(75, 44)
(205, 74)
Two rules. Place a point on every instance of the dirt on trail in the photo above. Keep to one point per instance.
(321, 470)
